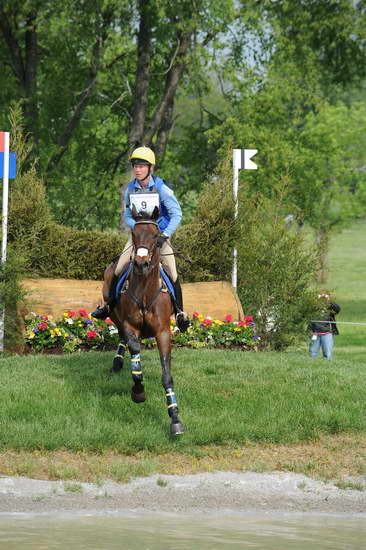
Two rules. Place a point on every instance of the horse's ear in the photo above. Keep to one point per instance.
(156, 213)
(134, 212)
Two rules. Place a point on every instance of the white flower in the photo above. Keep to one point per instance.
(112, 330)
(69, 321)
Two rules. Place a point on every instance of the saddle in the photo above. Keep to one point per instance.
(122, 284)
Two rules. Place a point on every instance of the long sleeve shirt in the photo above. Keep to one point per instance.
(170, 210)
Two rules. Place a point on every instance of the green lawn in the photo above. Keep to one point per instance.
(71, 402)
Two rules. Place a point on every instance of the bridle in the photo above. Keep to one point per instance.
(154, 247)
(144, 308)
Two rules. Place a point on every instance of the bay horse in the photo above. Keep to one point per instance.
(144, 310)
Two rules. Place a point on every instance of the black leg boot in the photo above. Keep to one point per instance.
(180, 317)
(106, 310)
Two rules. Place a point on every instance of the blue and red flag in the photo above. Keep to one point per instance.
(12, 159)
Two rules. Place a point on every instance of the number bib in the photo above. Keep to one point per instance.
(144, 202)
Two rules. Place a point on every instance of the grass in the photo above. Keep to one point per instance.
(71, 402)
(65, 417)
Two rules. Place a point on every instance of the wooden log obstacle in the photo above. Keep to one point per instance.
(55, 296)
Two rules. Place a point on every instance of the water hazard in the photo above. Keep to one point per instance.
(141, 531)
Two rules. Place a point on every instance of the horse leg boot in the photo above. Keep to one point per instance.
(164, 345)
(119, 357)
(180, 316)
(106, 310)
(176, 426)
(138, 391)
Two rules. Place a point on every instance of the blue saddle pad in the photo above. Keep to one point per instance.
(168, 282)
(163, 275)
(122, 279)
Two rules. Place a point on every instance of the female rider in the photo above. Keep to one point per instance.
(143, 162)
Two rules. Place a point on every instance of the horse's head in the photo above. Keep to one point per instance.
(144, 238)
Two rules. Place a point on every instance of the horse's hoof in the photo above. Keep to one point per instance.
(177, 428)
(138, 397)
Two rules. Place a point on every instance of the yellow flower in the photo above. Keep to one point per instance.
(237, 329)
(66, 335)
(52, 333)
(31, 335)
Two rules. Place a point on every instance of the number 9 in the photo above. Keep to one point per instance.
(143, 205)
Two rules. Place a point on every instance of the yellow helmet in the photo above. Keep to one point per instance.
(143, 153)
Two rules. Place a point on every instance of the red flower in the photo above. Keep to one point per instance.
(228, 319)
(248, 318)
(42, 326)
(108, 321)
(71, 313)
(207, 322)
(44, 317)
(242, 324)
(91, 334)
(195, 315)
(83, 313)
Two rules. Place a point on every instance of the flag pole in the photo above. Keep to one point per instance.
(241, 161)
(4, 228)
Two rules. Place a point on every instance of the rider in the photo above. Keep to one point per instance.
(143, 162)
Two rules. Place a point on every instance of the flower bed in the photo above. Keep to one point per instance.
(79, 331)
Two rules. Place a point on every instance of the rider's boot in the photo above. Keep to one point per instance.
(181, 318)
(106, 310)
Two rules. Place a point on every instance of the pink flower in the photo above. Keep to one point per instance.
(248, 318)
(91, 334)
(228, 319)
(207, 322)
(71, 313)
(44, 317)
(195, 315)
(83, 313)
(242, 324)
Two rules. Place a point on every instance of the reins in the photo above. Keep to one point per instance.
(144, 308)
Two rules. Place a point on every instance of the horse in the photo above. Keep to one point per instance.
(143, 309)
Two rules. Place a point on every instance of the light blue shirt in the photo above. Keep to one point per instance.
(168, 202)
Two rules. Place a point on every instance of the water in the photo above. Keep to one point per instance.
(141, 531)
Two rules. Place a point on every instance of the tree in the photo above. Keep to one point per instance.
(93, 89)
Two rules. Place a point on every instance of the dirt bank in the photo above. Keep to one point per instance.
(275, 492)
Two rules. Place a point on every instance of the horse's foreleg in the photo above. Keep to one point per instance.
(119, 357)
(138, 391)
(164, 345)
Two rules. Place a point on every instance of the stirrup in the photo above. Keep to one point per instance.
(182, 321)
(101, 312)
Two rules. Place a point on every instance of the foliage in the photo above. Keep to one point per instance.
(98, 77)
(206, 332)
(211, 234)
(76, 329)
(49, 248)
(11, 293)
(76, 254)
(275, 271)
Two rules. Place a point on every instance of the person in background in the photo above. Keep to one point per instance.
(323, 328)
